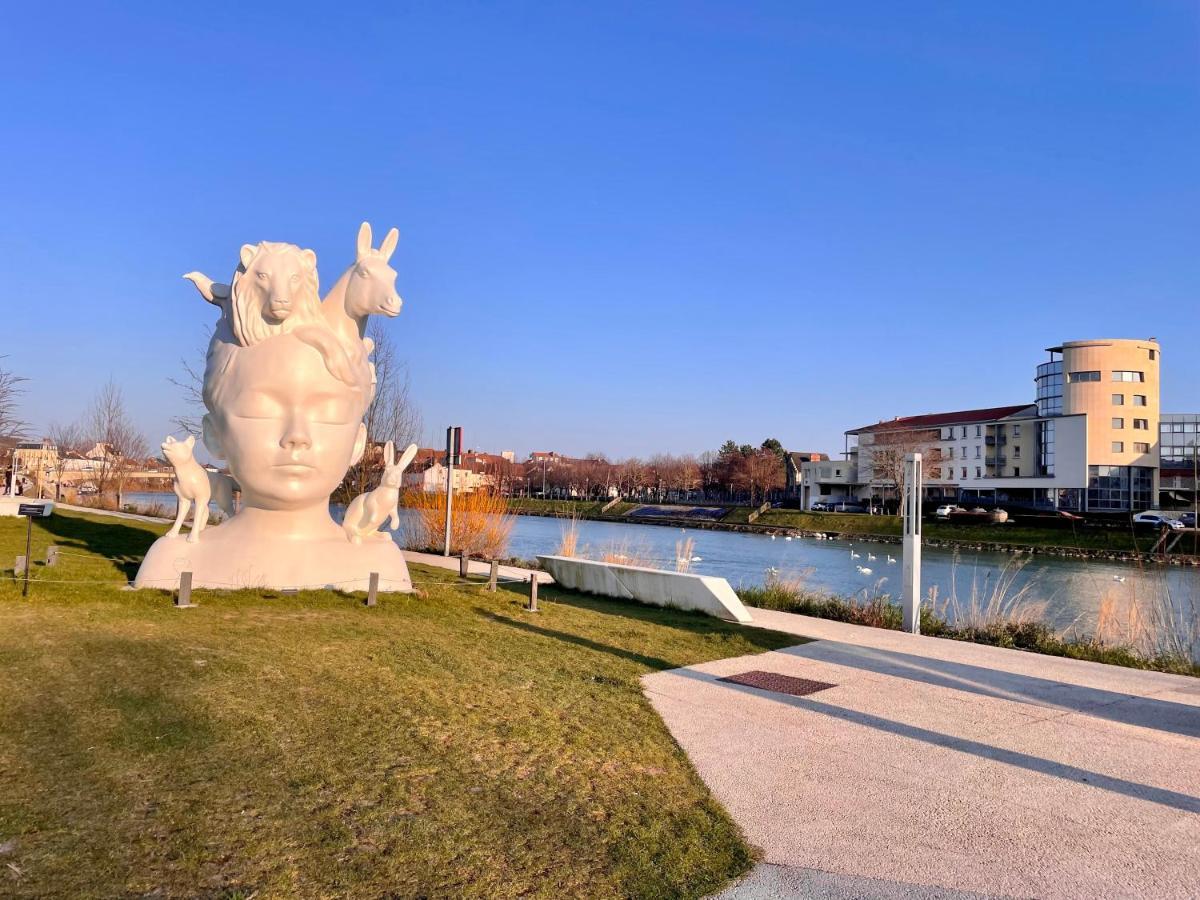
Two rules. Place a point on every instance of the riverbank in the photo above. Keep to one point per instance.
(1109, 545)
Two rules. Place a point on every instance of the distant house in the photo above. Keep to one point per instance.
(793, 460)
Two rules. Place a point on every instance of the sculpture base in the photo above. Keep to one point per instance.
(229, 559)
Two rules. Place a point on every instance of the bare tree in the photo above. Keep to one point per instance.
(888, 452)
(11, 424)
(121, 447)
(392, 415)
(67, 439)
(191, 386)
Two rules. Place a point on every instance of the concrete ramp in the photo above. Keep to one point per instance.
(656, 587)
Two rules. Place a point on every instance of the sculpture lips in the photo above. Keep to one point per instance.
(295, 468)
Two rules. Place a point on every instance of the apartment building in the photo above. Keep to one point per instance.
(1089, 442)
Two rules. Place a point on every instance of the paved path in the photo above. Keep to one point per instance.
(937, 764)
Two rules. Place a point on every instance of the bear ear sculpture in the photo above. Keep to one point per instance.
(388, 247)
(364, 239)
(247, 254)
(191, 440)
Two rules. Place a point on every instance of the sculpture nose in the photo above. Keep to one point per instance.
(295, 435)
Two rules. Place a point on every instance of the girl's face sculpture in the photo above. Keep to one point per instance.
(288, 429)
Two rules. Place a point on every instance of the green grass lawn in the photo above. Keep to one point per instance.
(442, 744)
(1014, 533)
(566, 508)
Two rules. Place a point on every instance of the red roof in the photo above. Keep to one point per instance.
(936, 420)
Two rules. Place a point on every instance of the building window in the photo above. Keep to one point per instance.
(978, 431)
(964, 471)
(977, 471)
(1073, 377)
(1118, 399)
(951, 452)
(1139, 399)
(977, 451)
(1153, 354)
(1016, 471)
(1139, 447)
(1016, 431)
(1017, 452)
(1119, 423)
(1143, 424)
(1118, 446)
(1118, 375)
(964, 433)
(837, 473)
(1119, 487)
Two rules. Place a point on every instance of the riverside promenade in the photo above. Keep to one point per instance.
(936, 768)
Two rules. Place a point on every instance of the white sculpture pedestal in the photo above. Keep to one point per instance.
(230, 557)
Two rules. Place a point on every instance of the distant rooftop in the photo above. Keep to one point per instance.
(936, 420)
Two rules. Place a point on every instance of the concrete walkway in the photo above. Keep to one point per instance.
(936, 766)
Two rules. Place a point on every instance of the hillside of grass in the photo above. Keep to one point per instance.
(584, 509)
(446, 743)
(1015, 532)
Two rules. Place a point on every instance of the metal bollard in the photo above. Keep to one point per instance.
(464, 564)
(373, 589)
(51, 555)
(493, 576)
(183, 600)
(532, 607)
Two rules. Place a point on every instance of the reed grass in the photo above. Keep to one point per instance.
(481, 523)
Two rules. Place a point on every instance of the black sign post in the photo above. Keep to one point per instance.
(28, 510)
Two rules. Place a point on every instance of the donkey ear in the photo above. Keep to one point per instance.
(310, 259)
(388, 247)
(364, 239)
(247, 254)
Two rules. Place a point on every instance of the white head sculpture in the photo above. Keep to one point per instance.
(287, 383)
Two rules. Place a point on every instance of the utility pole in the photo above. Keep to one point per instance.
(1195, 494)
(453, 455)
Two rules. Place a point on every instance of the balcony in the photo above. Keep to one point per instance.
(993, 441)
(997, 460)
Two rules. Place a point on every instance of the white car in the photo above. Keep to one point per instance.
(1155, 520)
(943, 511)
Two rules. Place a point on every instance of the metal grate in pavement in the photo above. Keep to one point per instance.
(780, 684)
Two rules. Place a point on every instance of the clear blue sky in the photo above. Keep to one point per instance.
(624, 227)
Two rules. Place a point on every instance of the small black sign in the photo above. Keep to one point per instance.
(31, 509)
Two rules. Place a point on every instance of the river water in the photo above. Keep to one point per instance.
(1071, 589)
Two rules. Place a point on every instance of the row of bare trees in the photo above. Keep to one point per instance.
(735, 472)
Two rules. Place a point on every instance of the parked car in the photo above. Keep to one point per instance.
(944, 511)
(819, 506)
(1155, 520)
(847, 507)
(1188, 519)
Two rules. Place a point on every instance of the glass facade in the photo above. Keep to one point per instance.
(1118, 488)
(1045, 448)
(1050, 388)
(1178, 436)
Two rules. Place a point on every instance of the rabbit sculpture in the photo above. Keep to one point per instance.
(368, 511)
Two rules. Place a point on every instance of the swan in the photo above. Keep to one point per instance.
(891, 558)
(697, 559)
(788, 538)
(863, 570)
(870, 555)
(1120, 578)
(854, 555)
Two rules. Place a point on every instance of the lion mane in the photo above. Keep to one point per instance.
(251, 319)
